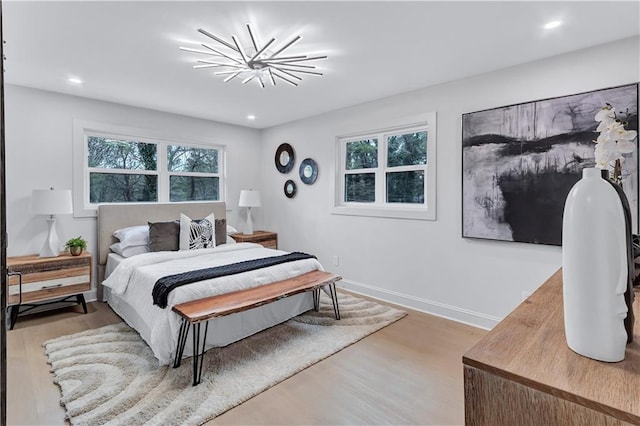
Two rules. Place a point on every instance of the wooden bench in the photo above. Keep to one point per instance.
(198, 311)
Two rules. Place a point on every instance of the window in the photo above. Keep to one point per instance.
(121, 171)
(119, 168)
(193, 173)
(389, 172)
(360, 166)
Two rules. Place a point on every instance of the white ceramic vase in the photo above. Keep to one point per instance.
(594, 269)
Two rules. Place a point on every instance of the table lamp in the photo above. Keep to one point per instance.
(248, 199)
(51, 202)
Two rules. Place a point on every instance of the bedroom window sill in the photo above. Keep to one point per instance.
(388, 212)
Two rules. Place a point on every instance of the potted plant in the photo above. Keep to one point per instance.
(76, 245)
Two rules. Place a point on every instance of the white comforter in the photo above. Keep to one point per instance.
(134, 278)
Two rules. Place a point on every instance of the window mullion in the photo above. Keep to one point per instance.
(343, 173)
(412, 168)
(121, 171)
(194, 174)
(381, 184)
(163, 173)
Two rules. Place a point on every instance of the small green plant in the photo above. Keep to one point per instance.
(76, 242)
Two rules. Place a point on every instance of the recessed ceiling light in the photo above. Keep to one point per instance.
(552, 24)
(254, 60)
(74, 80)
(251, 117)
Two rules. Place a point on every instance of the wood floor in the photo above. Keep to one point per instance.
(408, 373)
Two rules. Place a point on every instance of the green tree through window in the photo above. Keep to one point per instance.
(389, 172)
(114, 156)
(191, 172)
(122, 170)
(407, 150)
(392, 165)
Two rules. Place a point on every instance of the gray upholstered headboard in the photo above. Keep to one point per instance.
(116, 216)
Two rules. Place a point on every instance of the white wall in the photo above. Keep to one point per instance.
(423, 264)
(39, 142)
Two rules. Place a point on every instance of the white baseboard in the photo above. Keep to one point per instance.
(443, 310)
(91, 296)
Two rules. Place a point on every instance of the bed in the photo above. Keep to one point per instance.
(126, 283)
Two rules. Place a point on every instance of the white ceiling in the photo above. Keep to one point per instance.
(127, 52)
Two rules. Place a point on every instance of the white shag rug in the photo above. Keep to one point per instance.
(110, 376)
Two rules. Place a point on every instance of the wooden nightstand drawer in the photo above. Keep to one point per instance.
(45, 284)
(54, 277)
(265, 238)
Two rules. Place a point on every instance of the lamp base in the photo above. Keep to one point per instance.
(51, 246)
(248, 230)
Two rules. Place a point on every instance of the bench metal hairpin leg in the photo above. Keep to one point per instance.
(182, 340)
(198, 356)
(316, 299)
(334, 299)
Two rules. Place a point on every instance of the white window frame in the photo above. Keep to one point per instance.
(83, 129)
(380, 208)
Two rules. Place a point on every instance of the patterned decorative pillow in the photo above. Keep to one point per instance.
(197, 234)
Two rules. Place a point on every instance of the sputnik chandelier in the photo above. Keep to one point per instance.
(254, 62)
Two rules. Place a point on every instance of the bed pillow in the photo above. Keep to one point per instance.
(221, 231)
(231, 230)
(128, 251)
(164, 236)
(133, 236)
(197, 234)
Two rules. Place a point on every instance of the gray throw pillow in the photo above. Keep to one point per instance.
(164, 236)
(221, 231)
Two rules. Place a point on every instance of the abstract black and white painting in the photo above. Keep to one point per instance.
(519, 162)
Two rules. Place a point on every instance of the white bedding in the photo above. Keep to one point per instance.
(133, 279)
(113, 260)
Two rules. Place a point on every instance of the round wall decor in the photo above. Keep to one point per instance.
(290, 188)
(308, 171)
(285, 158)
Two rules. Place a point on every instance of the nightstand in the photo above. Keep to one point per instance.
(36, 281)
(266, 238)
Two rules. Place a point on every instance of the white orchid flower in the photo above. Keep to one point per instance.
(605, 124)
(625, 135)
(616, 132)
(606, 114)
(606, 153)
(604, 165)
(626, 146)
(603, 138)
(612, 142)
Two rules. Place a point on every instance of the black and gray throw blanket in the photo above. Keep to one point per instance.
(165, 285)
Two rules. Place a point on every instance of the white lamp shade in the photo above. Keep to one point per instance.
(249, 198)
(51, 201)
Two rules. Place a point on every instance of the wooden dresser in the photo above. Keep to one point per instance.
(523, 373)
